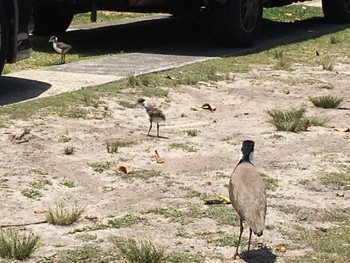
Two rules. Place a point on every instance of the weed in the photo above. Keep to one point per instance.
(185, 257)
(40, 171)
(192, 132)
(68, 150)
(136, 251)
(107, 189)
(113, 146)
(68, 183)
(316, 121)
(143, 174)
(60, 215)
(222, 214)
(84, 254)
(17, 245)
(333, 40)
(32, 193)
(125, 221)
(287, 120)
(126, 104)
(186, 147)
(328, 65)
(100, 166)
(40, 183)
(327, 102)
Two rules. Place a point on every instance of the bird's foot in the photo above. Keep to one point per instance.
(235, 256)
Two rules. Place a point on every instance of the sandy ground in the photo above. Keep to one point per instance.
(290, 158)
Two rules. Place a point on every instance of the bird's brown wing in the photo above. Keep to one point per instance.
(65, 48)
(247, 195)
(155, 114)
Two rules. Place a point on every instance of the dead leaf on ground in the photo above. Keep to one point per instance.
(280, 248)
(40, 211)
(208, 106)
(124, 169)
(158, 158)
(340, 129)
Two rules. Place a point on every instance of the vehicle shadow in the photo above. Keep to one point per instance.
(175, 36)
(14, 90)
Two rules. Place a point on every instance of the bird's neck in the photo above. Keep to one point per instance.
(145, 104)
(248, 158)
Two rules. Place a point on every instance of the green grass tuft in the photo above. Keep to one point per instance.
(326, 102)
(16, 244)
(287, 120)
(60, 215)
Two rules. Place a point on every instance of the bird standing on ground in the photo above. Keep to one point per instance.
(154, 114)
(247, 194)
(60, 47)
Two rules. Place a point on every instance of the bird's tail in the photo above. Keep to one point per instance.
(259, 234)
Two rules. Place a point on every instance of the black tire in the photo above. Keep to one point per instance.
(237, 22)
(4, 36)
(51, 20)
(336, 11)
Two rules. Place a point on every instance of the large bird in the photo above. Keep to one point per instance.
(60, 48)
(154, 114)
(247, 194)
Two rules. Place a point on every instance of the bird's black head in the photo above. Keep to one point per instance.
(53, 39)
(247, 151)
(140, 100)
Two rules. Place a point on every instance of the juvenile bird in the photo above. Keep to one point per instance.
(247, 194)
(154, 114)
(60, 47)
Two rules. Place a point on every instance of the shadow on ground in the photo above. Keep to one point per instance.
(261, 255)
(13, 90)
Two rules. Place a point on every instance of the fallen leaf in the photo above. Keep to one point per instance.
(124, 169)
(280, 248)
(339, 129)
(40, 211)
(208, 106)
(158, 158)
(340, 194)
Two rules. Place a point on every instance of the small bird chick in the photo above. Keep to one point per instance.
(154, 114)
(60, 48)
(247, 194)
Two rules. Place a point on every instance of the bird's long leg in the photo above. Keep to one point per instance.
(250, 238)
(239, 239)
(150, 127)
(157, 129)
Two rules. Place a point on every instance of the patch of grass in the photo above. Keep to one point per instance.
(40, 171)
(328, 65)
(40, 183)
(84, 254)
(125, 221)
(336, 179)
(173, 213)
(271, 184)
(68, 183)
(222, 214)
(61, 215)
(137, 251)
(86, 237)
(107, 189)
(220, 238)
(192, 132)
(292, 120)
(316, 121)
(326, 102)
(143, 174)
(69, 150)
(127, 104)
(186, 147)
(100, 166)
(32, 193)
(329, 246)
(113, 145)
(16, 244)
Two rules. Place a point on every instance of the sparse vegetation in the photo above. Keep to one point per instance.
(68, 150)
(61, 215)
(100, 166)
(192, 132)
(15, 244)
(338, 180)
(271, 184)
(326, 102)
(125, 221)
(68, 183)
(113, 145)
(32, 193)
(136, 251)
(288, 120)
(186, 147)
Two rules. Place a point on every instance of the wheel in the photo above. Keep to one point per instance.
(51, 20)
(237, 22)
(336, 11)
(3, 36)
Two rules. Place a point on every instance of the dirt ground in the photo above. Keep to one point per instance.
(293, 159)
